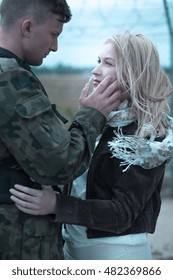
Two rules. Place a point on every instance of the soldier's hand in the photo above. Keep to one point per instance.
(105, 97)
(32, 201)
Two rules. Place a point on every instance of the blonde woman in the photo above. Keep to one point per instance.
(114, 204)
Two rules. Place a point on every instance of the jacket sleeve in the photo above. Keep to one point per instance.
(46, 151)
(129, 193)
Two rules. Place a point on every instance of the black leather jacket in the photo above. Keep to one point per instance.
(117, 202)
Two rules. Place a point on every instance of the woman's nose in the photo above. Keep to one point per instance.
(96, 70)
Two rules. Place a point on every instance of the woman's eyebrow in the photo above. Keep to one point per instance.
(108, 57)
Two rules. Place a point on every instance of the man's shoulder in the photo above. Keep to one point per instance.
(15, 77)
(10, 71)
(7, 64)
(20, 92)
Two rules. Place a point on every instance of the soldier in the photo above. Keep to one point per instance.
(33, 141)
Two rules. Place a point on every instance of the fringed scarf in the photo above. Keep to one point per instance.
(134, 150)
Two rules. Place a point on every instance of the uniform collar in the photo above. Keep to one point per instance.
(7, 53)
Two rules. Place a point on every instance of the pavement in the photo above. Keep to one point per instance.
(162, 240)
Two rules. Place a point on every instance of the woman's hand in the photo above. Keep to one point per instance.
(32, 201)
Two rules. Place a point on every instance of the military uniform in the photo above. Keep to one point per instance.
(35, 144)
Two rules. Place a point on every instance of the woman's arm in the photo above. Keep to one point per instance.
(117, 214)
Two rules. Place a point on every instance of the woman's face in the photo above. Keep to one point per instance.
(106, 65)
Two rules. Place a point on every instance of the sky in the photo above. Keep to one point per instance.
(95, 20)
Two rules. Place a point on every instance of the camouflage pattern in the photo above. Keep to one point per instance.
(37, 238)
(33, 133)
(34, 141)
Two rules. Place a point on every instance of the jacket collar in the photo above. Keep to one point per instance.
(8, 54)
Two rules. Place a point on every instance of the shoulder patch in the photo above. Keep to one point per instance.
(33, 107)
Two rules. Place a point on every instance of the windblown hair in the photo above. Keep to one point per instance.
(139, 73)
(13, 10)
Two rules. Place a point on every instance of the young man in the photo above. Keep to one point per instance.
(33, 142)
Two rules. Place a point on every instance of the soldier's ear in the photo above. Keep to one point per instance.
(27, 27)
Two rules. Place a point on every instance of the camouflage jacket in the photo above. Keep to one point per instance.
(32, 134)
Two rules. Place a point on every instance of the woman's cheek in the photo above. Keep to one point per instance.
(113, 75)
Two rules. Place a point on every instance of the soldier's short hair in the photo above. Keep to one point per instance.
(12, 10)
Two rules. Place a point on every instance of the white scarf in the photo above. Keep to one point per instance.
(134, 150)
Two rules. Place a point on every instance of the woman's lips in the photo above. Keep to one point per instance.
(96, 82)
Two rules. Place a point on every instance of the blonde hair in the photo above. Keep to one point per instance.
(139, 73)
